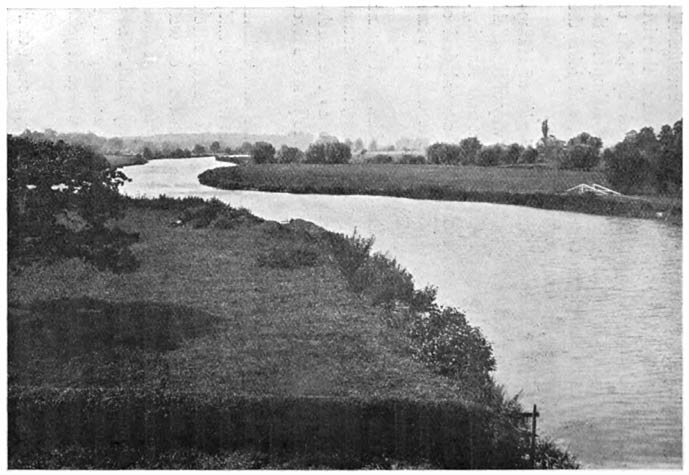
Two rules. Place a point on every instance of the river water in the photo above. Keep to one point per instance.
(584, 312)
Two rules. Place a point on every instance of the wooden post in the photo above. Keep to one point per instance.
(533, 436)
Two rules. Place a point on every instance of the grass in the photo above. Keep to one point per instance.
(535, 187)
(294, 329)
(383, 178)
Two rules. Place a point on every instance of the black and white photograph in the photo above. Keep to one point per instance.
(352, 237)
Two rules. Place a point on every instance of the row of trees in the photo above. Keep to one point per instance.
(580, 152)
(645, 161)
(319, 152)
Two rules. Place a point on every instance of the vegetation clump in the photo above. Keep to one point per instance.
(290, 256)
(62, 201)
(444, 340)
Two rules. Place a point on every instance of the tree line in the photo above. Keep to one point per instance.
(643, 162)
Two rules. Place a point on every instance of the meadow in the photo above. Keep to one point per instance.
(538, 187)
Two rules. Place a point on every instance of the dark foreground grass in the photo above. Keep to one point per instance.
(533, 187)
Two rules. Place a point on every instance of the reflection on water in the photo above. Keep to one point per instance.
(584, 312)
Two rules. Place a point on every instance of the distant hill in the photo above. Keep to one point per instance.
(300, 140)
(135, 144)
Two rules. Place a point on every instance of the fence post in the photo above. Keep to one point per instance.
(534, 415)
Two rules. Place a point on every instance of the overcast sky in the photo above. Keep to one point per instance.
(439, 73)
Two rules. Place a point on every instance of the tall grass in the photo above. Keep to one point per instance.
(533, 187)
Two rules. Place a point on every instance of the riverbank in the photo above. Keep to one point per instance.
(537, 188)
(235, 322)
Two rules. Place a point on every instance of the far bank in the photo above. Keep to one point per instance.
(532, 187)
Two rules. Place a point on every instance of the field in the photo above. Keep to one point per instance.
(257, 330)
(534, 187)
(385, 177)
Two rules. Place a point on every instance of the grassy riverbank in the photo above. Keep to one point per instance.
(534, 187)
(241, 343)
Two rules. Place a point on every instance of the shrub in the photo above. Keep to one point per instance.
(424, 300)
(383, 280)
(550, 456)
(202, 215)
(350, 252)
(296, 255)
(412, 159)
(445, 341)
(379, 159)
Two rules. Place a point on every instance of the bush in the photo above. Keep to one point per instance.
(292, 257)
(409, 159)
(424, 300)
(350, 253)
(383, 280)
(444, 340)
(379, 159)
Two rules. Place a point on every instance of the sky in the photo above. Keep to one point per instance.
(441, 73)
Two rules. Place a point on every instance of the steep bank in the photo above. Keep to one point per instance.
(535, 188)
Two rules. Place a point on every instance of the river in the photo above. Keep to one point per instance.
(584, 312)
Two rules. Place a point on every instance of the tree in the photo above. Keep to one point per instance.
(289, 155)
(550, 149)
(469, 149)
(246, 148)
(358, 145)
(147, 154)
(373, 145)
(443, 153)
(490, 155)
(338, 153)
(263, 152)
(215, 147)
(199, 150)
(528, 155)
(328, 153)
(582, 152)
(626, 167)
(669, 163)
(512, 154)
(60, 199)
